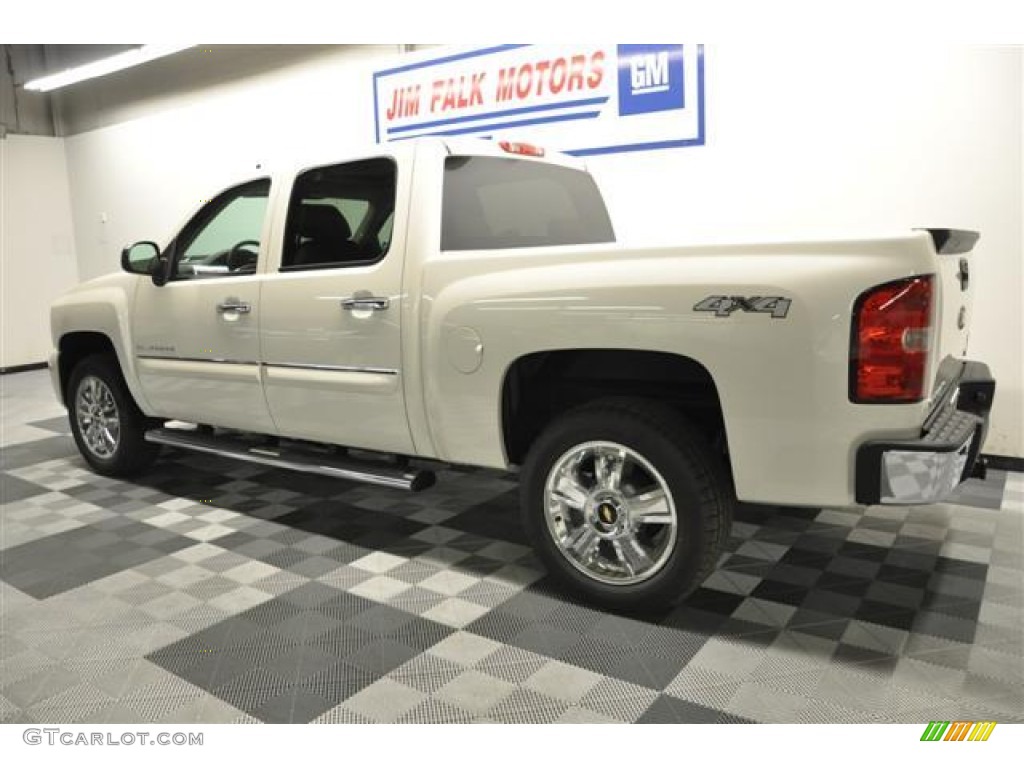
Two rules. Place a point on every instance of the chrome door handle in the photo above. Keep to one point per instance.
(233, 305)
(371, 303)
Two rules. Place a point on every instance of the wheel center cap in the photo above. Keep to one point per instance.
(607, 513)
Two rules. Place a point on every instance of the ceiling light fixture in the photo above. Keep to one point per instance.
(103, 67)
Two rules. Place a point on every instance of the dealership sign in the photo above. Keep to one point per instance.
(583, 99)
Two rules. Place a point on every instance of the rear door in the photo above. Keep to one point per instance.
(331, 325)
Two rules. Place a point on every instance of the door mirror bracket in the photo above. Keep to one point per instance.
(159, 273)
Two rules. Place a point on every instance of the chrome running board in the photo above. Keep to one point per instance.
(294, 457)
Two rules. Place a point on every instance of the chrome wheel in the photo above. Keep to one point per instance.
(98, 419)
(610, 512)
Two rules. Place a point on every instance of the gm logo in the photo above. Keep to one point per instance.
(650, 78)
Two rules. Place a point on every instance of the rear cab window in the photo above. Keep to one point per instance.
(494, 203)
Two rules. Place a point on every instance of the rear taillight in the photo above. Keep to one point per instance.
(889, 346)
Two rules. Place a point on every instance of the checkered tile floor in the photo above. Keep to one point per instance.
(214, 591)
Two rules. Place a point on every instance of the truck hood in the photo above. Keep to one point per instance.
(116, 280)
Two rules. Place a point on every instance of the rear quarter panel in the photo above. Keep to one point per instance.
(783, 383)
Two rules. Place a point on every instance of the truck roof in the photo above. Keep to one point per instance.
(458, 145)
(452, 145)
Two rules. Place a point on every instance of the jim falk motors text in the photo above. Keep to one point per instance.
(546, 77)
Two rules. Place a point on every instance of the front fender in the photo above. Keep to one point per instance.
(102, 306)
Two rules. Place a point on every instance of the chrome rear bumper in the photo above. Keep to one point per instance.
(928, 469)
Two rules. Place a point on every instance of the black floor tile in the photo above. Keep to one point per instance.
(668, 709)
(851, 566)
(944, 625)
(694, 620)
(15, 489)
(912, 577)
(272, 648)
(852, 586)
(812, 543)
(825, 625)
(901, 595)
(647, 670)
(54, 564)
(802, 575)
(885, 614)
(961, 568)
(293, 705)
(714, 601)
(864, 551)
(496, 518)
(58, 424)
(38, 451)
(781, 592)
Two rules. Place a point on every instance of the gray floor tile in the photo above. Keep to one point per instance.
(212, 591)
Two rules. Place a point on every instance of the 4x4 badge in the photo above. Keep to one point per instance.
(724, 306)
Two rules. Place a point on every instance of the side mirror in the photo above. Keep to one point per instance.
(140, 258)
(143, 258)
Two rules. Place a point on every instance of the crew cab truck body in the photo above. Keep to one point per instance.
(464, 302)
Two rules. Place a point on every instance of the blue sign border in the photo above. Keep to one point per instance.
(696, 141)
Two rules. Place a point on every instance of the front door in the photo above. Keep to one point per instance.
(331, 315)
(197, 336)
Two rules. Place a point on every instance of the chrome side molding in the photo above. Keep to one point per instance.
(333, 368)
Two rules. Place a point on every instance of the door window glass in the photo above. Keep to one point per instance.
(340, 215)
(224, 237)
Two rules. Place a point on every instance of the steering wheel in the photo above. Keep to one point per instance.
(241, 258)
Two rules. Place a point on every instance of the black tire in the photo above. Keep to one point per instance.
(700, 490)
(130, 454)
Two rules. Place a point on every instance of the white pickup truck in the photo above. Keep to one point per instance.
(446, 302)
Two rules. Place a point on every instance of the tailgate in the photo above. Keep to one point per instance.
(953, 298)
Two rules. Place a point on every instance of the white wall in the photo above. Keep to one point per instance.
(37, 259)
(801, 139)
(137, 179)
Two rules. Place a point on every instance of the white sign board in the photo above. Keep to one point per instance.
(582, 99)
